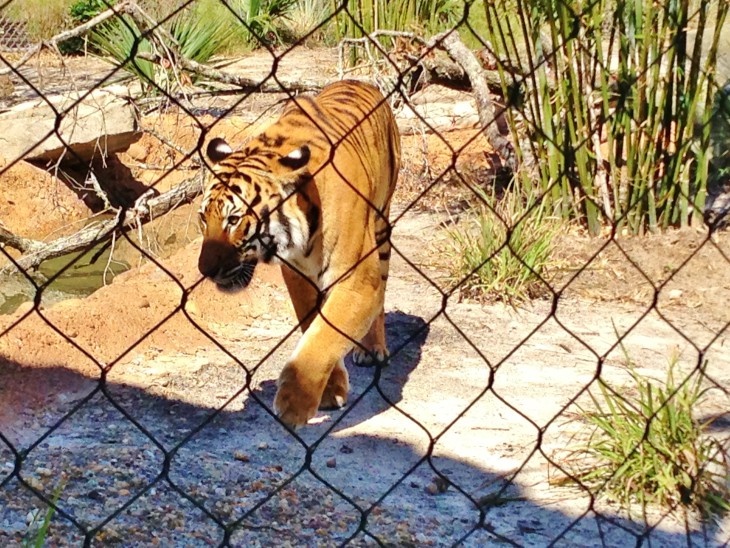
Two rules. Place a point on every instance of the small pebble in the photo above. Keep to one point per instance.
(432, 489)
(95, 494)
(331, 463)
(346, 449)
(31, 516)
(240, 455)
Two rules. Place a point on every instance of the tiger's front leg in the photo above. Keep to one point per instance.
(315, 373)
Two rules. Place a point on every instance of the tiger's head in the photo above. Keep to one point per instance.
(249, 211)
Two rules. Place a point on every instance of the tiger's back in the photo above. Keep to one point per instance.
(312, 192)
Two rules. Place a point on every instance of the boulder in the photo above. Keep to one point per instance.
(92, 124)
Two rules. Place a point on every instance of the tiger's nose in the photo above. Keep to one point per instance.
(216, 257)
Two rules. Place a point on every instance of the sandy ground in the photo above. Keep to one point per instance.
(150, 400)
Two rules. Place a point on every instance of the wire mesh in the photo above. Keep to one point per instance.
(14, 36)
(466, 435)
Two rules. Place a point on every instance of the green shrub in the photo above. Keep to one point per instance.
(306, 16)
(119, 41)
(501, 248)
(649, 448)
(81, 12)
(720, 138)
(198, 36)
(426, 16)
(362, 17)
(614, 93)
(263, 19)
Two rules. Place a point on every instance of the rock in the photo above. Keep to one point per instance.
(240, 455)
(101, 123)
(442, 108)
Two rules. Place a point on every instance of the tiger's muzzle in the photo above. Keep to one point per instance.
(222, 263)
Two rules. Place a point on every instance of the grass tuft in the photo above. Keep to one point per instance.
(502, 249)
(648, 448)
(42, 18)
(39, 527)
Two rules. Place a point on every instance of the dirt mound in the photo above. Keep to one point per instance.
(35, 204)
(144, 309)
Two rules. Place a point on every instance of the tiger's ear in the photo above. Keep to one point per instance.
(218, 150)
(297, 158)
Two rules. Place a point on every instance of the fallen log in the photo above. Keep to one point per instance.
(146, 208)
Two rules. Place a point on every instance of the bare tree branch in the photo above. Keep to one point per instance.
(246, 84)
(144, 210)
(24, 245)
(485, 107)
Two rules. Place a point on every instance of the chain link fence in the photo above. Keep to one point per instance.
(143, 415)
(13, 36)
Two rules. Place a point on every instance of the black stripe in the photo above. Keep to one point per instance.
(253, 162)
(310, 248)
(385, 231)
(313, 220)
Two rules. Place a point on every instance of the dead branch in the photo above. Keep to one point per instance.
(24, 245)
(145, 209)
(247, 85)
(435, 69)
(487, 112)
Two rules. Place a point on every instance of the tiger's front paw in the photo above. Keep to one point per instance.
(338, 385)
(295, 402)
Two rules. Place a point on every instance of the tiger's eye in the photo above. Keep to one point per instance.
(233, 220)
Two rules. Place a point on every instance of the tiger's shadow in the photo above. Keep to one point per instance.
(376, 389)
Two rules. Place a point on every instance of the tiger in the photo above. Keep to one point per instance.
(311, 193)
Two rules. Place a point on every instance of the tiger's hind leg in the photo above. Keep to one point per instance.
(375, 346)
